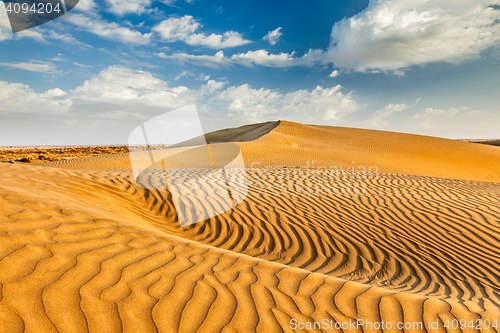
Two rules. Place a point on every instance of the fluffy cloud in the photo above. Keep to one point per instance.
(335, 73)
(459, 123)
(33, 66)
(320, 104)
(88, 6)
(217, 60)
(183, 74)
(121, 7)
(273, 36)
(378, 118)
(250, 58)
(203, 77)
(123, 89)
(111, 103)
(5, 29)
(388, 36)
(183, 29)
(394, 34)
(177, 28)
(262, 57)
(216, 41)
(95, 25)
(456, 122)
(17, 98)
(107, 106)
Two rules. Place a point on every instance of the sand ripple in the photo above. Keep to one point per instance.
(93, 252)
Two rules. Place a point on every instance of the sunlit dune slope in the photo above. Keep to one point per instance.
(290, 144)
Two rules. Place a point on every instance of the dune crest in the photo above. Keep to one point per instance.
(284, 143)
(292, 144)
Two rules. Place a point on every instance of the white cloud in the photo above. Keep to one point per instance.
(379, 117)
(262, 57)
(217, 60)
(335, 73)
(388, 36)
(54, 93)
(67, 38)
(114, 101)
(88, 6)
(18, 99)
(318, 105)
(177, 28)
(394, 34)
(128, 89)
(203, 77)
(5, 29)
(459, 123)
(183, 74)
(455, 122)
(33, 66)
(111, 103)
(250, 58)
(121, 7)
(183, 29)
(112, 31)
(216, 41)
(273, 36)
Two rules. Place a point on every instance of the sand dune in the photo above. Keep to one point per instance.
(290, 144)
(85, 248)
(490, 142)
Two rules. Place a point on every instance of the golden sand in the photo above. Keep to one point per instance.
(83, 248)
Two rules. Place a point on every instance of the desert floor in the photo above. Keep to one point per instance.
(338, 225)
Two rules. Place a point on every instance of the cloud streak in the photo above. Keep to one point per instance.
(249, 59)
(97, 26)
(33, 66)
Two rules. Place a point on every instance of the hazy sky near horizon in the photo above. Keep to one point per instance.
(428, 67)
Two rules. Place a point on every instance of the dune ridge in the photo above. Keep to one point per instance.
(290, 144)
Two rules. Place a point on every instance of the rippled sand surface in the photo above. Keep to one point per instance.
(84, 248)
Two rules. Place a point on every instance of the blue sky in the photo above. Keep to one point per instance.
(96, 73)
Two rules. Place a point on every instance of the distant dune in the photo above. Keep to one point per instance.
(490, 142)
(85, 248)
(290, 144)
